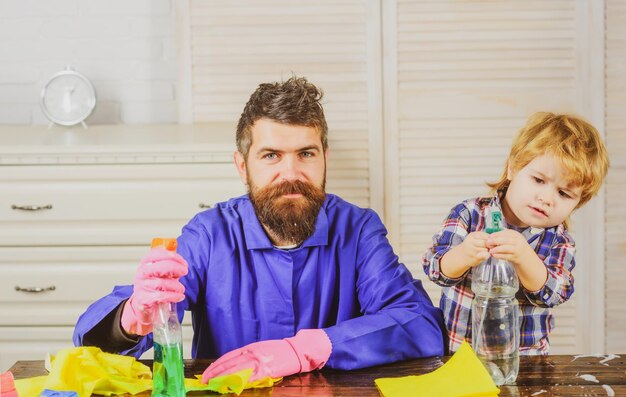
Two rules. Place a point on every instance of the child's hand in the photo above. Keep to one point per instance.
(513, 247)
(509, 245)
(475, 248)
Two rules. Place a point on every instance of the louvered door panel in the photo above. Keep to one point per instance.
(468, 75)
(616, 181)
(237, 45)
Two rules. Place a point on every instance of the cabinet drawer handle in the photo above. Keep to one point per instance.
(35, 289)
(31, 207)
(202, 205)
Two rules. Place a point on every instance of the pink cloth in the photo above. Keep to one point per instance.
(156, 281)
(308, 350)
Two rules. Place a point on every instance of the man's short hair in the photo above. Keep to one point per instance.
(293, 102)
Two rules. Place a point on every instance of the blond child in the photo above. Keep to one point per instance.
(557, 163)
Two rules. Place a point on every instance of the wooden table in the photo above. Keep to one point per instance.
(539, 376)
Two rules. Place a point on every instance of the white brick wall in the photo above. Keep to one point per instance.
(127, 48)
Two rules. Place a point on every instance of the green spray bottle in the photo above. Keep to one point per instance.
(167, 370)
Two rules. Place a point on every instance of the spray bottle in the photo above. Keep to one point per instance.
(168, 370)
(495, 311)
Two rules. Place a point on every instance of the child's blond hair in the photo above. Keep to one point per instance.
(572, 140)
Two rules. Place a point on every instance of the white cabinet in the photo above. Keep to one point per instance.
(78, 209)
(31, 343)
(112, 204)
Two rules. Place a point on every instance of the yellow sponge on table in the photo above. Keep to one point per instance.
(463, 375)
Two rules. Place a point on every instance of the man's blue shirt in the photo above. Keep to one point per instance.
(345, 279)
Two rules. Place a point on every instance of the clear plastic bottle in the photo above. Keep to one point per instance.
(168, 370)
(495, 312)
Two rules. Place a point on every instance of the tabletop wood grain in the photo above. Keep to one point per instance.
(539, 376)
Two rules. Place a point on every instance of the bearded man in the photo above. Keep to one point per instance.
(285, 279)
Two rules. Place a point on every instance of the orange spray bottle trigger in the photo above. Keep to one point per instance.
(169, 244)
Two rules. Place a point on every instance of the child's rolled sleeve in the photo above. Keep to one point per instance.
(454, 230)
(559, 286)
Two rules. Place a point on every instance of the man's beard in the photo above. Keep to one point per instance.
(288, 219)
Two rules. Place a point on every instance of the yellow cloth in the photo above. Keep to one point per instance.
(234, 383)
(88, 370)
(461, 376)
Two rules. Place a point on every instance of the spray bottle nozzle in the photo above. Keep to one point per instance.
(493, 220)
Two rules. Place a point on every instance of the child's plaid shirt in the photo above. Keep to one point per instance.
(554, 246)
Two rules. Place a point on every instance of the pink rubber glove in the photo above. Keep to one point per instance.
(308, 350)
(7, 385)
(156, 281)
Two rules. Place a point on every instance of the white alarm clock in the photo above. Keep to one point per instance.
(68, 98)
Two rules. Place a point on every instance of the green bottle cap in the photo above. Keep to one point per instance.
(493, 221)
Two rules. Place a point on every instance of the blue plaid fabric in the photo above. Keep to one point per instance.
(554, 246)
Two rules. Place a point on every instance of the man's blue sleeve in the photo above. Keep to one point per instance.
(100, 309)
(399, 321)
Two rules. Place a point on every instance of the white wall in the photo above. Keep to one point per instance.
(126, 48)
